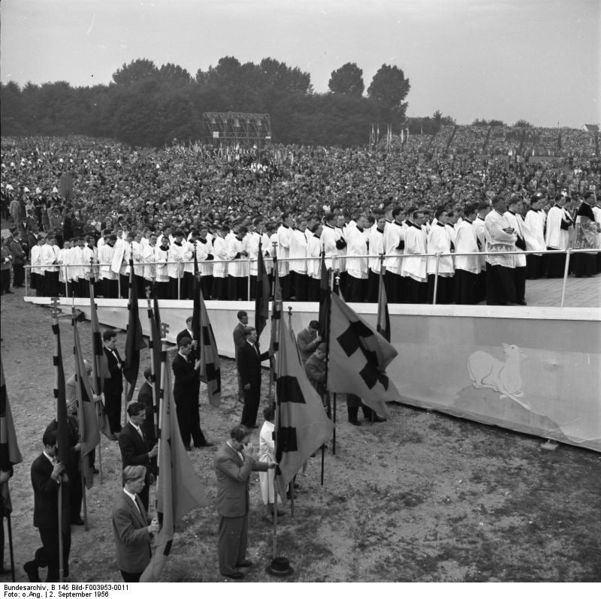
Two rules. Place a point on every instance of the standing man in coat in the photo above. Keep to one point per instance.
(234, 462)
(132, 529)
(249, 368)
(185, 392)
(113, 385)
(136, 449)
(239, 340)
(46, 476)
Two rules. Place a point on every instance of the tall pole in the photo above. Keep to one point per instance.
(61, 564)
(10, 545)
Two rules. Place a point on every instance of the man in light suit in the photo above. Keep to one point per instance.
(132, 529)
(308, 340)
(234, 462)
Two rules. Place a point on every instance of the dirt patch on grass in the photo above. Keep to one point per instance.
(422, 497)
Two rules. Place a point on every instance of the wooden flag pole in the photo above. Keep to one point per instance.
(83, 493)
(10, 546)
(95, 371)
(274, 551)
(61, 560)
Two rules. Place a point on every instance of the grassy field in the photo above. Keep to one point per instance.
(421, 497)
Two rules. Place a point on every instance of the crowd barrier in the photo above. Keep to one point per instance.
(336, 261)
(529, 369)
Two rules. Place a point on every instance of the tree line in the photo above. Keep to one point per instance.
(146, 105)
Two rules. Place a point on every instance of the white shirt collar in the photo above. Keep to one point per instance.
(51, 459)
(240, 454)
(132, 496)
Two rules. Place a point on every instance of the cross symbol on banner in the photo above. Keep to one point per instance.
(164, 330)
(351, 341)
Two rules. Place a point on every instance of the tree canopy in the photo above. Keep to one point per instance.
(146, 104)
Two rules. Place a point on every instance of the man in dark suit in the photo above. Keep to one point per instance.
(249, 369)
(146, 398)
(308, 340)
(239, 340)
(135, 448)
(187, 332)
(113, 385)
(132, 529)
(234, 462)
(185, 394)
(46, 477)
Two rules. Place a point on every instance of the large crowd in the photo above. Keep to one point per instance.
(77, 203)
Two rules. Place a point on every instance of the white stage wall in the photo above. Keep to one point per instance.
(532, 370)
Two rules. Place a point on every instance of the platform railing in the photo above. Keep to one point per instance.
(335, 260)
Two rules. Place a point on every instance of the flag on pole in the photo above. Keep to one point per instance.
(383, 319)
(156, 332)
(9, 448)
(302, 425)
(206, 346)
(100, 368)
(179, 490)
(89, 434)
(210, 368)
(324, 300)
(358, 358)
(276, 317)
(263, 292)
(62, 432)
(134, 341)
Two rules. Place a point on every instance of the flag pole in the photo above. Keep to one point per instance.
(152, 345)
(10, 545)
(291, 486)
(55, 311)
(78, 376)
(95, 372)
(61, 564)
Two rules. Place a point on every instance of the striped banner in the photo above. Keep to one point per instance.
(62, 433)
(9, 448)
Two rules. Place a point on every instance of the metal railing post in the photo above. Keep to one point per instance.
(248, 279)
(27, 275)
(119, 285)
(179, 285)
(436, 279)
(566, 270)
(66, 282)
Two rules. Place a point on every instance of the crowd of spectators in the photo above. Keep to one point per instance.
(80, 190)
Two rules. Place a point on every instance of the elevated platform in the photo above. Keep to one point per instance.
(533, 369)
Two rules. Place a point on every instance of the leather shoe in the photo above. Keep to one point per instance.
(207, 444)
(234, 575)
(95, 470)
(77, 521)
(355, 422)
(378, 419)
(245, 563)
(32, 572)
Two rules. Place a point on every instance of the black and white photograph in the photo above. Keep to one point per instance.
(301, 291)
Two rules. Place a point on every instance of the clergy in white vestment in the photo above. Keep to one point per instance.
(414, 259)
(557, 237)
(501, 237)
(467, 267)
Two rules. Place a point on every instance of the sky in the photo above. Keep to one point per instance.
(538, 60)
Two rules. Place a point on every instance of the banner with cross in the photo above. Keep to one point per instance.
(358, 358)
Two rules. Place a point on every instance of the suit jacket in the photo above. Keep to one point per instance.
(145, 397)
(233, 476)
(307, 343)
(182, 334)
(249, 364)
(134, 449)
(131, 535)
(239, 337)
(45, 496)
(186, 379)
(114, 384)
